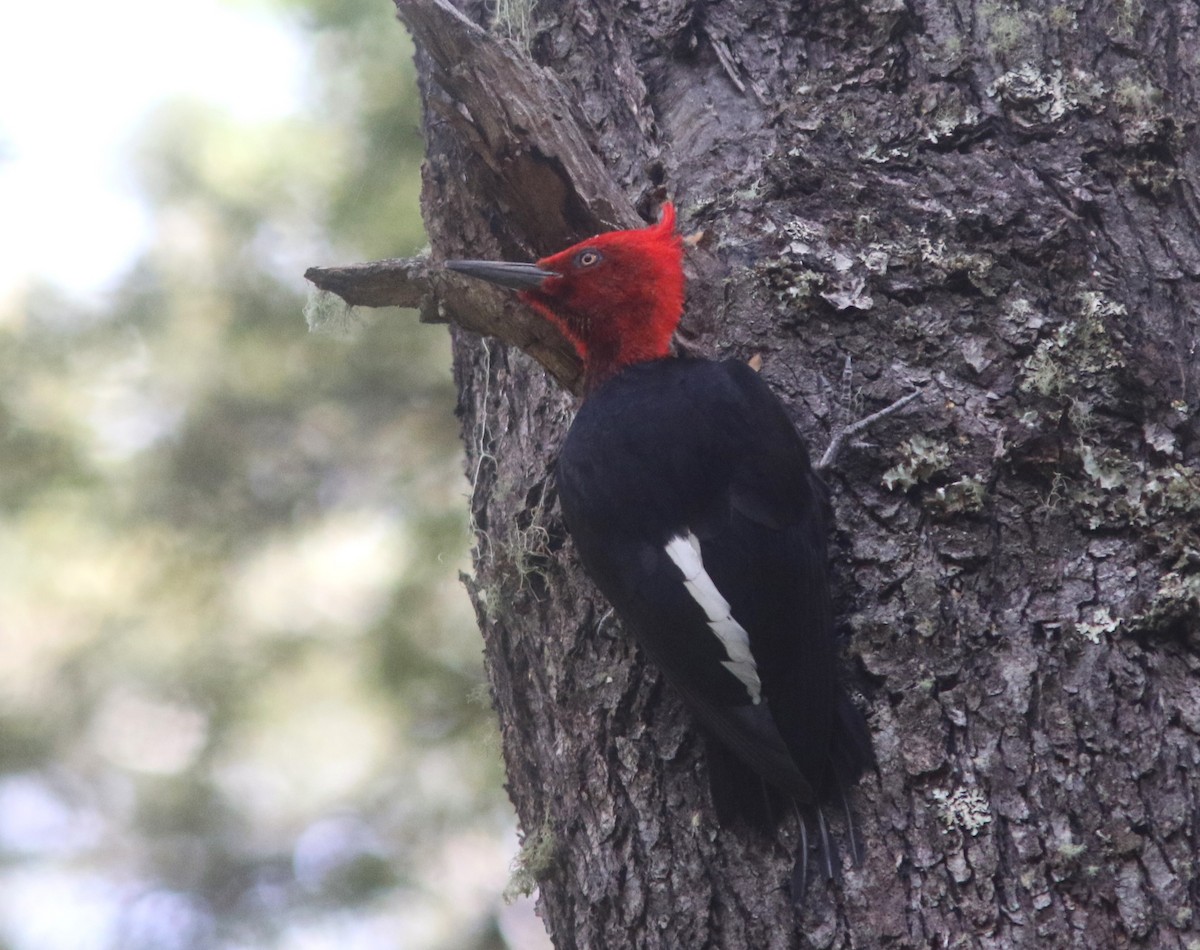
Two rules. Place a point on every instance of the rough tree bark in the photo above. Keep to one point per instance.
(997, 203)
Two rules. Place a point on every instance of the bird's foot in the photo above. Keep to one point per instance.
(843, 433)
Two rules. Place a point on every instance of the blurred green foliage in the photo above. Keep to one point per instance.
(239, 682)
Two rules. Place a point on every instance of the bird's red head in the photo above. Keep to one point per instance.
(617, 296)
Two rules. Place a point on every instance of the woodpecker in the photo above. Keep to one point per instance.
(696, 511)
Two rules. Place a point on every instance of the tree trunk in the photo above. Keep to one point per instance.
(994, 203)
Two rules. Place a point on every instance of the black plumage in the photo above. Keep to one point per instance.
(673, 447)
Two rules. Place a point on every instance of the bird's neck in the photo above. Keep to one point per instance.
(604, 359)
(607, 343)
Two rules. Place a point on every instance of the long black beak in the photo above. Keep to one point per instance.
(516, 276)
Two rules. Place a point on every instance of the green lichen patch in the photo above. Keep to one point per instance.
(1079, 355)
(514, 18)
(1176, 602)
(530, 545)
(1126, 19)
(1008, 28)
(1151, 138)
(947, 262)
(921, 458)
(535, 860)
(1136, 95)
(791, 284)
(329, 315)
(1062, 17)
(1108, 471)
(965, 496)
(1161, 501)
(1119, 491)
(949, 118)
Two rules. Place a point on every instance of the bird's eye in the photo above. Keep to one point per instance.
(588, 258)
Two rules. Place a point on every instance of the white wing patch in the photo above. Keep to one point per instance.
(684, 550)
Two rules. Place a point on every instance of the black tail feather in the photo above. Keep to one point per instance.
(741, 797)
(853, 835)
(738, 794)
(800, 870)
(828, 857)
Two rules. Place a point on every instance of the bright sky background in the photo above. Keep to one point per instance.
(77, 78)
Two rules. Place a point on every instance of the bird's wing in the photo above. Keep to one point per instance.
(720, 571)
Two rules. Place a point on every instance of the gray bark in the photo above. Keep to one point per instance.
(995, 203)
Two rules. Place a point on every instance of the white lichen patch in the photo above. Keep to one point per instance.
(1160, 438)
(946, 115)
(977, 267)
(1095, 306)
(849, 294)
(809, 266)
(1046, 96)
(876, 259)
(1178, 588)
(803, 233)
(962, 808)
(1100, 624)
